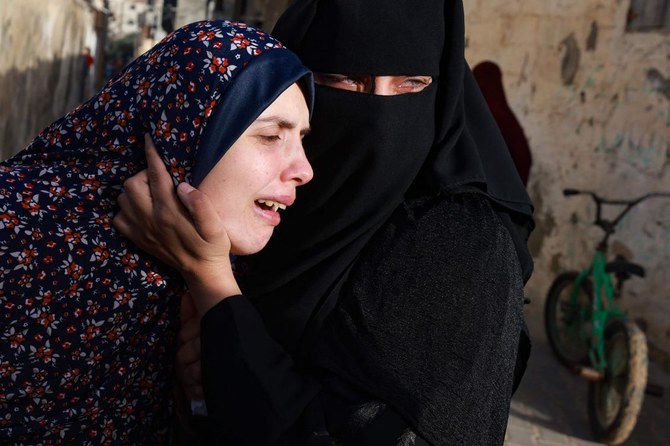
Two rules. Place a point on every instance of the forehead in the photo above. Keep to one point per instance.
(289, 110)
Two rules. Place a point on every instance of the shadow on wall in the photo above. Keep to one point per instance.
(32, 99)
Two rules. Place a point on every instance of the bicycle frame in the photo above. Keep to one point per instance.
(603, 307)
(592, 336)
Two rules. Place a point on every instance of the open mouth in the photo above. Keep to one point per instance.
(269, 205)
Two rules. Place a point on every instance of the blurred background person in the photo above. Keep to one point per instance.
(489, 78)
(87, 62)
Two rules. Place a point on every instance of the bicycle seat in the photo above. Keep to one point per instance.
(621, 266)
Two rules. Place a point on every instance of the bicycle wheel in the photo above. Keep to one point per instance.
(566, 322)
(614, 402)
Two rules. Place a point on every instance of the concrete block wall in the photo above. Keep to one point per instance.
(594, 102)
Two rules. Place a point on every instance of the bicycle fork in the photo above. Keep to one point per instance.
(602, 309)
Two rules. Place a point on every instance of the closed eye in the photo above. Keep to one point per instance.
(269, 139)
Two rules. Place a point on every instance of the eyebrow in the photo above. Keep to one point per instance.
(282, 123)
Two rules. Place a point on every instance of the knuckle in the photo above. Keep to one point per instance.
(153, 176)
(130, 182)
(163, 217)
(199, 392)
(196, 371)
(122, 201)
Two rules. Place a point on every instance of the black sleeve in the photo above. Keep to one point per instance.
(423, 341)
(257, 396)
(253, 390)
(431, 320)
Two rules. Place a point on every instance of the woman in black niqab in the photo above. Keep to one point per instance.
(372, 152)
(395, 282)
(399, 271)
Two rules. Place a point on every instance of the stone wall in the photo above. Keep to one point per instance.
(40, 72)
(594, 101)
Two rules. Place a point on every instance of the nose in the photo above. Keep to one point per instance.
(299, 169)
(384, 86)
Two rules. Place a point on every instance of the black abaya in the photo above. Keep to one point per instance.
(257, 394)
(390, 291)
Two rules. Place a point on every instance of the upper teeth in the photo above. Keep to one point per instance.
(273, 204)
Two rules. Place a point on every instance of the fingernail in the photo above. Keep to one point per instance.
(185, 188)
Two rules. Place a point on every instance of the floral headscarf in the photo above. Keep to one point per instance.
(88, 321)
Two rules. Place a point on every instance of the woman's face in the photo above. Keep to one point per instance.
(382, 86)
(258, 175)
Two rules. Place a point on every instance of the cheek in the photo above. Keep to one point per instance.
(234, 200)
(235, 195)
(263, 172)
(235, 186)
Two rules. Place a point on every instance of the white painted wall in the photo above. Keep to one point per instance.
(39, 68)
(608, 130)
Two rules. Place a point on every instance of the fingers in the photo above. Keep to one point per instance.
(136, 195)
(189, 332)
(160, 182)
(189, 343)
(138, 183)
(194, 392)
(189, 353)
(191, 381)
(202, 211)
(135, 205)
(189, 367)
(121, 223)
(188, 310)
(166, 209)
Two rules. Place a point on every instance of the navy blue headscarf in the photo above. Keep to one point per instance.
(88, 321)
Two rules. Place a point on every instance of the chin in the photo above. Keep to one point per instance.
(248, 247)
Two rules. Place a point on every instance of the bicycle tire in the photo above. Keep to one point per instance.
(563, 321)
(614, 402)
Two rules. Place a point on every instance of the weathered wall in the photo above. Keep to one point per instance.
(40, 67)
(269, 11)
(594, 102)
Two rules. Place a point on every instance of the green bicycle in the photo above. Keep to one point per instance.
(592, 336)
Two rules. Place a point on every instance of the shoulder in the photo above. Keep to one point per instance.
(463, 213)
(461, 227)
(452, 242)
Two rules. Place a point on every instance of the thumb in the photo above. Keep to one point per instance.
(202, 211)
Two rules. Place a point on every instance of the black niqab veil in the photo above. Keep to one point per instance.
(370, 152)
